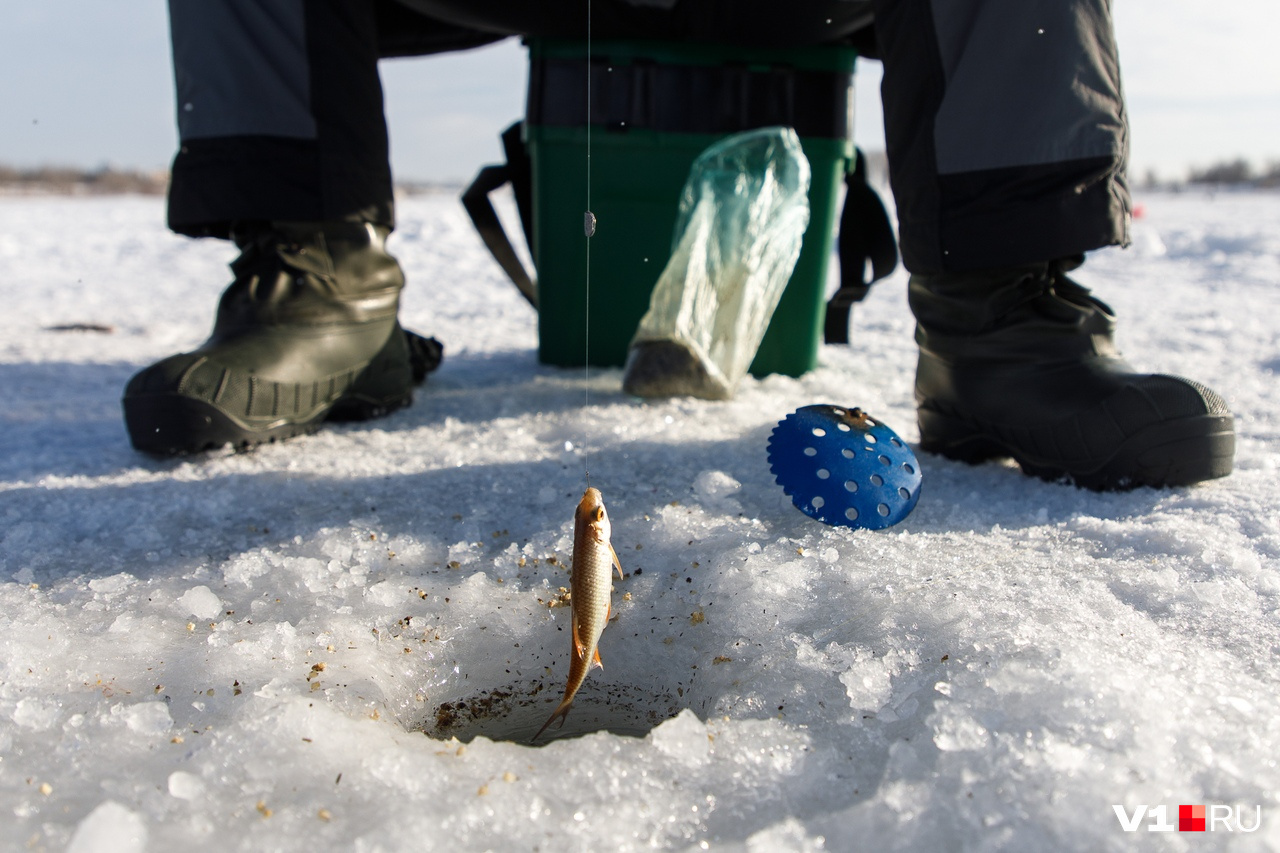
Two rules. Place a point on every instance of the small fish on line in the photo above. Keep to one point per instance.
(590, 588)
(589, 224)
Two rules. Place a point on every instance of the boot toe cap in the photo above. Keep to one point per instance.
(1153, 430)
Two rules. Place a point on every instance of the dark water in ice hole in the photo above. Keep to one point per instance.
(515, 712)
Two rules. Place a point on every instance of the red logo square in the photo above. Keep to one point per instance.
(1191, 818)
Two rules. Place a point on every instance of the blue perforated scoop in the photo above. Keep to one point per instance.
(844, 468)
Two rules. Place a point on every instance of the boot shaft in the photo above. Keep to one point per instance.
(1032, 313)
(310, 273)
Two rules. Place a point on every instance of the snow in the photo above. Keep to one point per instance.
(274, 650)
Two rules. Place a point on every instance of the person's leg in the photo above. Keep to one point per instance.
(1007, 139)
(284, 150)
(280, 108)
(279, 114)
(1006, 130)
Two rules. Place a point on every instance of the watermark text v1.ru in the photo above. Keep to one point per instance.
(1213, 818)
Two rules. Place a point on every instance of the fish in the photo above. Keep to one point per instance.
(591, 585)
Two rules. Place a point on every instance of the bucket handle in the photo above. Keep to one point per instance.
(475, 199)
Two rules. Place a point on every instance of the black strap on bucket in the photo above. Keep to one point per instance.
(867, 247)
(519, 173)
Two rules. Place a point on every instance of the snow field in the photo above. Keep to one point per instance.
(276, 650)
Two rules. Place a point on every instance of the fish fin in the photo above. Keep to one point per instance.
(578, 648)
(595, 661)
(617, 565)
(562, 711)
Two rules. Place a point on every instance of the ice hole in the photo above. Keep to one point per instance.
(515, 712)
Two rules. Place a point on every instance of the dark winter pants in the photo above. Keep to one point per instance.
(1004, 120)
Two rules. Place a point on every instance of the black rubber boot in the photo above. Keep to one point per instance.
(1021, 363)
(306, 332)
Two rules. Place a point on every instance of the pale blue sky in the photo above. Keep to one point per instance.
(87, 82)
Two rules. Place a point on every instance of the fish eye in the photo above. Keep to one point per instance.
(599, 513)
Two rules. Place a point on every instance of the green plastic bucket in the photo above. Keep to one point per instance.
(638, 166)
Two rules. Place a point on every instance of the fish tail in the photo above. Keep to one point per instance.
(562, 712)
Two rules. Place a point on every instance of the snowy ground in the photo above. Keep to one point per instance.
(243, 651)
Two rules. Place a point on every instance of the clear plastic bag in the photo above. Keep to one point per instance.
(742, 218)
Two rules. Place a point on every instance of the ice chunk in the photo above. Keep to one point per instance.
(145, 718)
(36, 713)
(955, 731)
(245, 568)
(683, 737)
(200, 602)
(718, 491)
(715, 484)
(385, 593)
(110, 828)
(110, 585)
(124, 624)
(787, 835)
(869, 681)
(185, 786)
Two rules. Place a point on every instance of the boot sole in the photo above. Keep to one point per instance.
(169, 425)
(1180, 452)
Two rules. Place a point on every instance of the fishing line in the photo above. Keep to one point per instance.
(589, 228)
